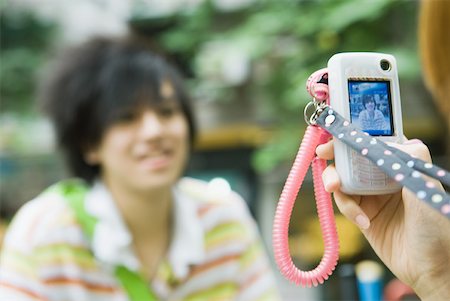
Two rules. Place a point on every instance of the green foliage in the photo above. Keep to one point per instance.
(284, 41)
(290, 40)
(23, 42)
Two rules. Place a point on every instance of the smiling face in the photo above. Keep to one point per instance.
(146, 147)
(370, 105)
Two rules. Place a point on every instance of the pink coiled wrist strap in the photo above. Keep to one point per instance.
(306, 156)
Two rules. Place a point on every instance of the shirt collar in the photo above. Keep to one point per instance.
(112, 241)
(187, 245)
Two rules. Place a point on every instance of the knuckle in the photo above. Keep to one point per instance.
(420, 151)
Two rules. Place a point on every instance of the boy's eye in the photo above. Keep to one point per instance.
(127, 116)
(167, 110)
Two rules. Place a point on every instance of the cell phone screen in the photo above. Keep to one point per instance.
(371, 106)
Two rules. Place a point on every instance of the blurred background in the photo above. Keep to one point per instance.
(246, 63)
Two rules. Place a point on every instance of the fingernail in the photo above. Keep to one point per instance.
(318, 148)
(326, 184)
(413, 141)
(362, 221)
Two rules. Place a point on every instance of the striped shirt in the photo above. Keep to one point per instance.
(215, 251)
(376, 122)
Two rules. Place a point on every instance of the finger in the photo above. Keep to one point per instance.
(325, 151)
(350, 209)
(412, 141)
(415, 148)
(330, 179)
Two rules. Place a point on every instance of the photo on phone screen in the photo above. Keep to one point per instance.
(371, 107)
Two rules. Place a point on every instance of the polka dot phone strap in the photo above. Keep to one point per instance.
(398, 165)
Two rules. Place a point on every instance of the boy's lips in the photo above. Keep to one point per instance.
(156, 161)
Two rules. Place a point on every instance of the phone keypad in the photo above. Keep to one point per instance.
(366, 173)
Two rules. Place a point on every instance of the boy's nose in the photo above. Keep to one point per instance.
(150, 125)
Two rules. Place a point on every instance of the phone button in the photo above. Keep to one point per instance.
(378, 175)
(364, 167)
(364, 181)
(378, 183)
(363, 174)
(390, 181)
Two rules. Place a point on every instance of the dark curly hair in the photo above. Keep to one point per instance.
(368, 98)
(89, 84)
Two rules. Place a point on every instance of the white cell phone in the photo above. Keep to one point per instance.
(364, 88)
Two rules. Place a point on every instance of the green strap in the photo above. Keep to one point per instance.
(136, 287)
(74, 192)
